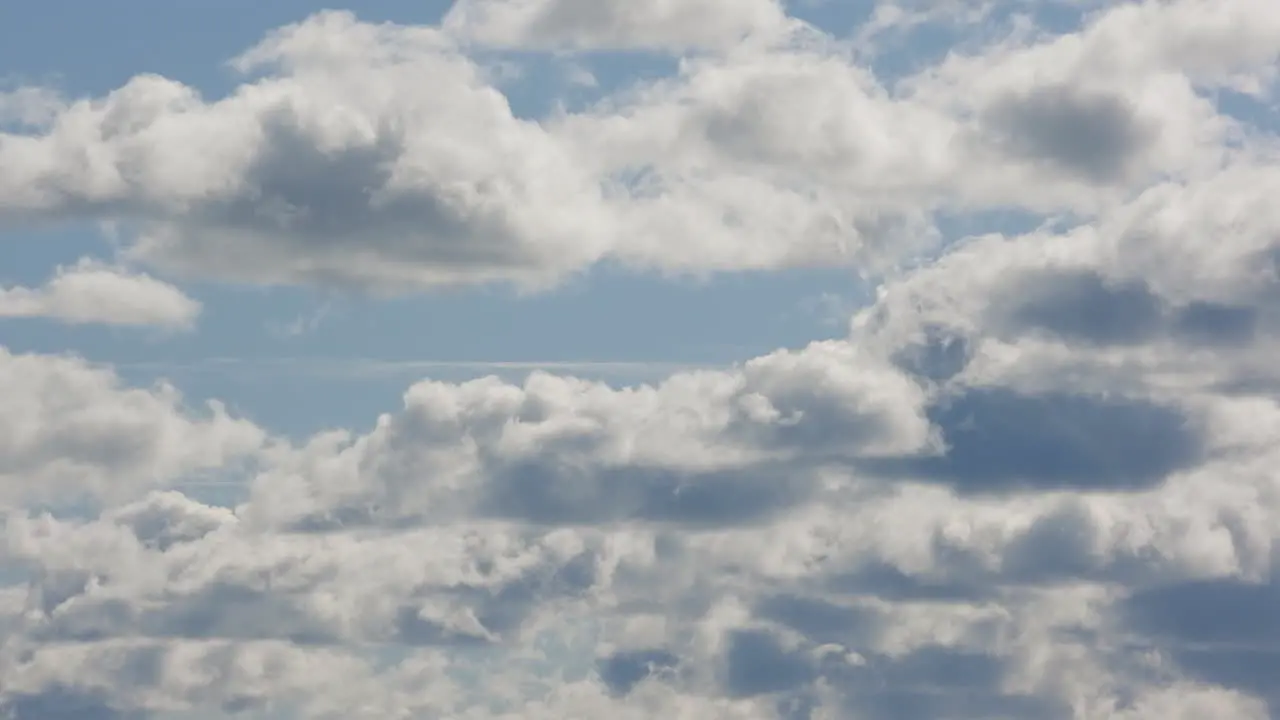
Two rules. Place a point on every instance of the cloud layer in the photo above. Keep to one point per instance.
(1035, 478)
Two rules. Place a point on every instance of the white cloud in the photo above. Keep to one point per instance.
(335, 163)
(696, 449)
(80, 679)
(68, 429)
(29, 106)
(340, 165)
(92, 292)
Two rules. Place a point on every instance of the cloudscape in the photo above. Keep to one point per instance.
(696, 360)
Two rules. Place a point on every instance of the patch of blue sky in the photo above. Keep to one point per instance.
(541, 84)
(912, 46)
(1250, 108)
(88, 48)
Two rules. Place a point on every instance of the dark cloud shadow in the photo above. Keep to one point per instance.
(1057, 545)
(1002, 441)
(54, 588)
(139, 667)
(1224, 632)
(622, 671)
(161, 528)
(938, 356)
(827, 428)
(1205, 323)
(884, 704)
(500, 610)
(1223, 612)
(321, 207)
(1249, 670)
(929, 682)
(936, 682)
(944, 669)
(889, 583)
(756, 663)
(547, 494)
(1080, 305)
(820, 620)
(63, 703)
(87, 620)
(505, 610)
(1091, 135)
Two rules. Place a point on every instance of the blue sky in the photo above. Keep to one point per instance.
(724, 358)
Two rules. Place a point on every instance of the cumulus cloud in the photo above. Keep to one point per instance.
(709, 447)
(381, 156)
(93, 292)
(1036, 478)
(69, 429)
(339, 165)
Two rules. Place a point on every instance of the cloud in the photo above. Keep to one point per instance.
(548, 24)
(71, 429)
(1092, 135)
(1000, 440)
(91, 292)
(1223, 632)
(697, 448)
(1082, 306)
(77, 680)
(333, 163)
(29, 106)
(622, 671)
(1034, 479)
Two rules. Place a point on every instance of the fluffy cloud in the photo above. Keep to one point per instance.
(335, 162)
(1035, 479)
(70, 429)
(701, 448)
(91, 292)
(339, 165)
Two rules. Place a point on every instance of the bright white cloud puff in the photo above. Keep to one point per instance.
(1035, 478)
(90, 292)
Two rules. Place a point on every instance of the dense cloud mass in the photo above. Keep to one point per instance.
(1036, 477)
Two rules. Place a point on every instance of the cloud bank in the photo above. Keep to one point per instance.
(1035, 478)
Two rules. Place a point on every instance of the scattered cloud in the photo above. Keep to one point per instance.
(1034, 478)
(70, 429)
(93, 292)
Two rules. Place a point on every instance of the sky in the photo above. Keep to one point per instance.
(729, 359)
